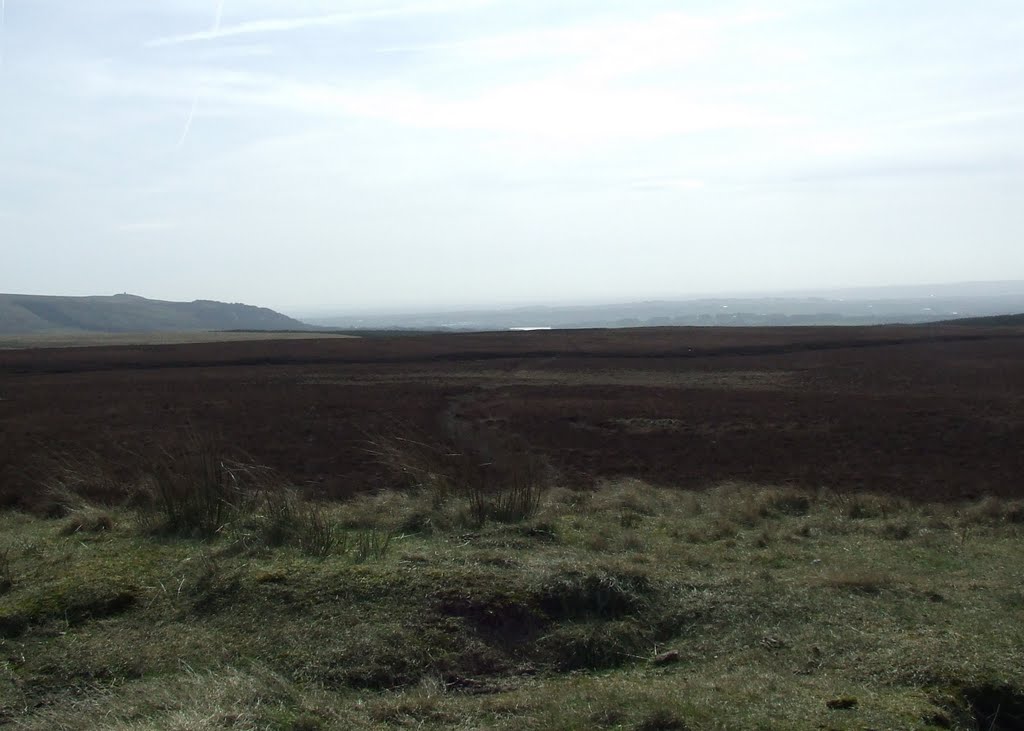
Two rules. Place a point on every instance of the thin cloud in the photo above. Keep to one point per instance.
(657, 185)
(544, 109)
(283, 25)
(143, 226)
(556, 107)
(273, 25)
(930, 169)
(614, 47)
(235, 52)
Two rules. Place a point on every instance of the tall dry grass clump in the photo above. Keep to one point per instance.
(87, 520)
(748, 506)
(280, 517)
(69, 482)
(993, 511)
(195, 491)
(318, 535)
(491, 475)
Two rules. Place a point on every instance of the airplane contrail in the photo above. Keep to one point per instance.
(217, 15)
(188, 122)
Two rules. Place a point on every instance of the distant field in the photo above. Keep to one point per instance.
(926, 412)
(78, 340)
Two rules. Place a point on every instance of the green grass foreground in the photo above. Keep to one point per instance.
(629, 607)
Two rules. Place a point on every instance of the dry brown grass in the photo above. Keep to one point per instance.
(71, 481)
(860, 506)
(88, 520)
(864, 581)
(992, 511)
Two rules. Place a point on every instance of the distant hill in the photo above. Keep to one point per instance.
(994, 321)
(125, 313)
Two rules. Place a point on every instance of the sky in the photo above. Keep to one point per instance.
(383, 154)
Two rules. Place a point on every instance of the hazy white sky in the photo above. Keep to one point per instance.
(432, 153)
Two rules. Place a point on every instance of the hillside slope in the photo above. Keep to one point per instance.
(26, 314)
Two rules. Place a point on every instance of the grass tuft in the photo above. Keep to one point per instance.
(282, 518)
(593, 645)
(196, 492)
(601, 594)
(318, 535)
(70, 482)
(6, 572)
(498, 481)
(991, 511)
(513, 503)
(870, 506)
(368, 545)
(87, 521)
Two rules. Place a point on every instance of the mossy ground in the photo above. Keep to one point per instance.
(764, 606)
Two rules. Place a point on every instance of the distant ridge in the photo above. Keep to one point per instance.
(858, 306)
(993, 321)
(22, 314)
